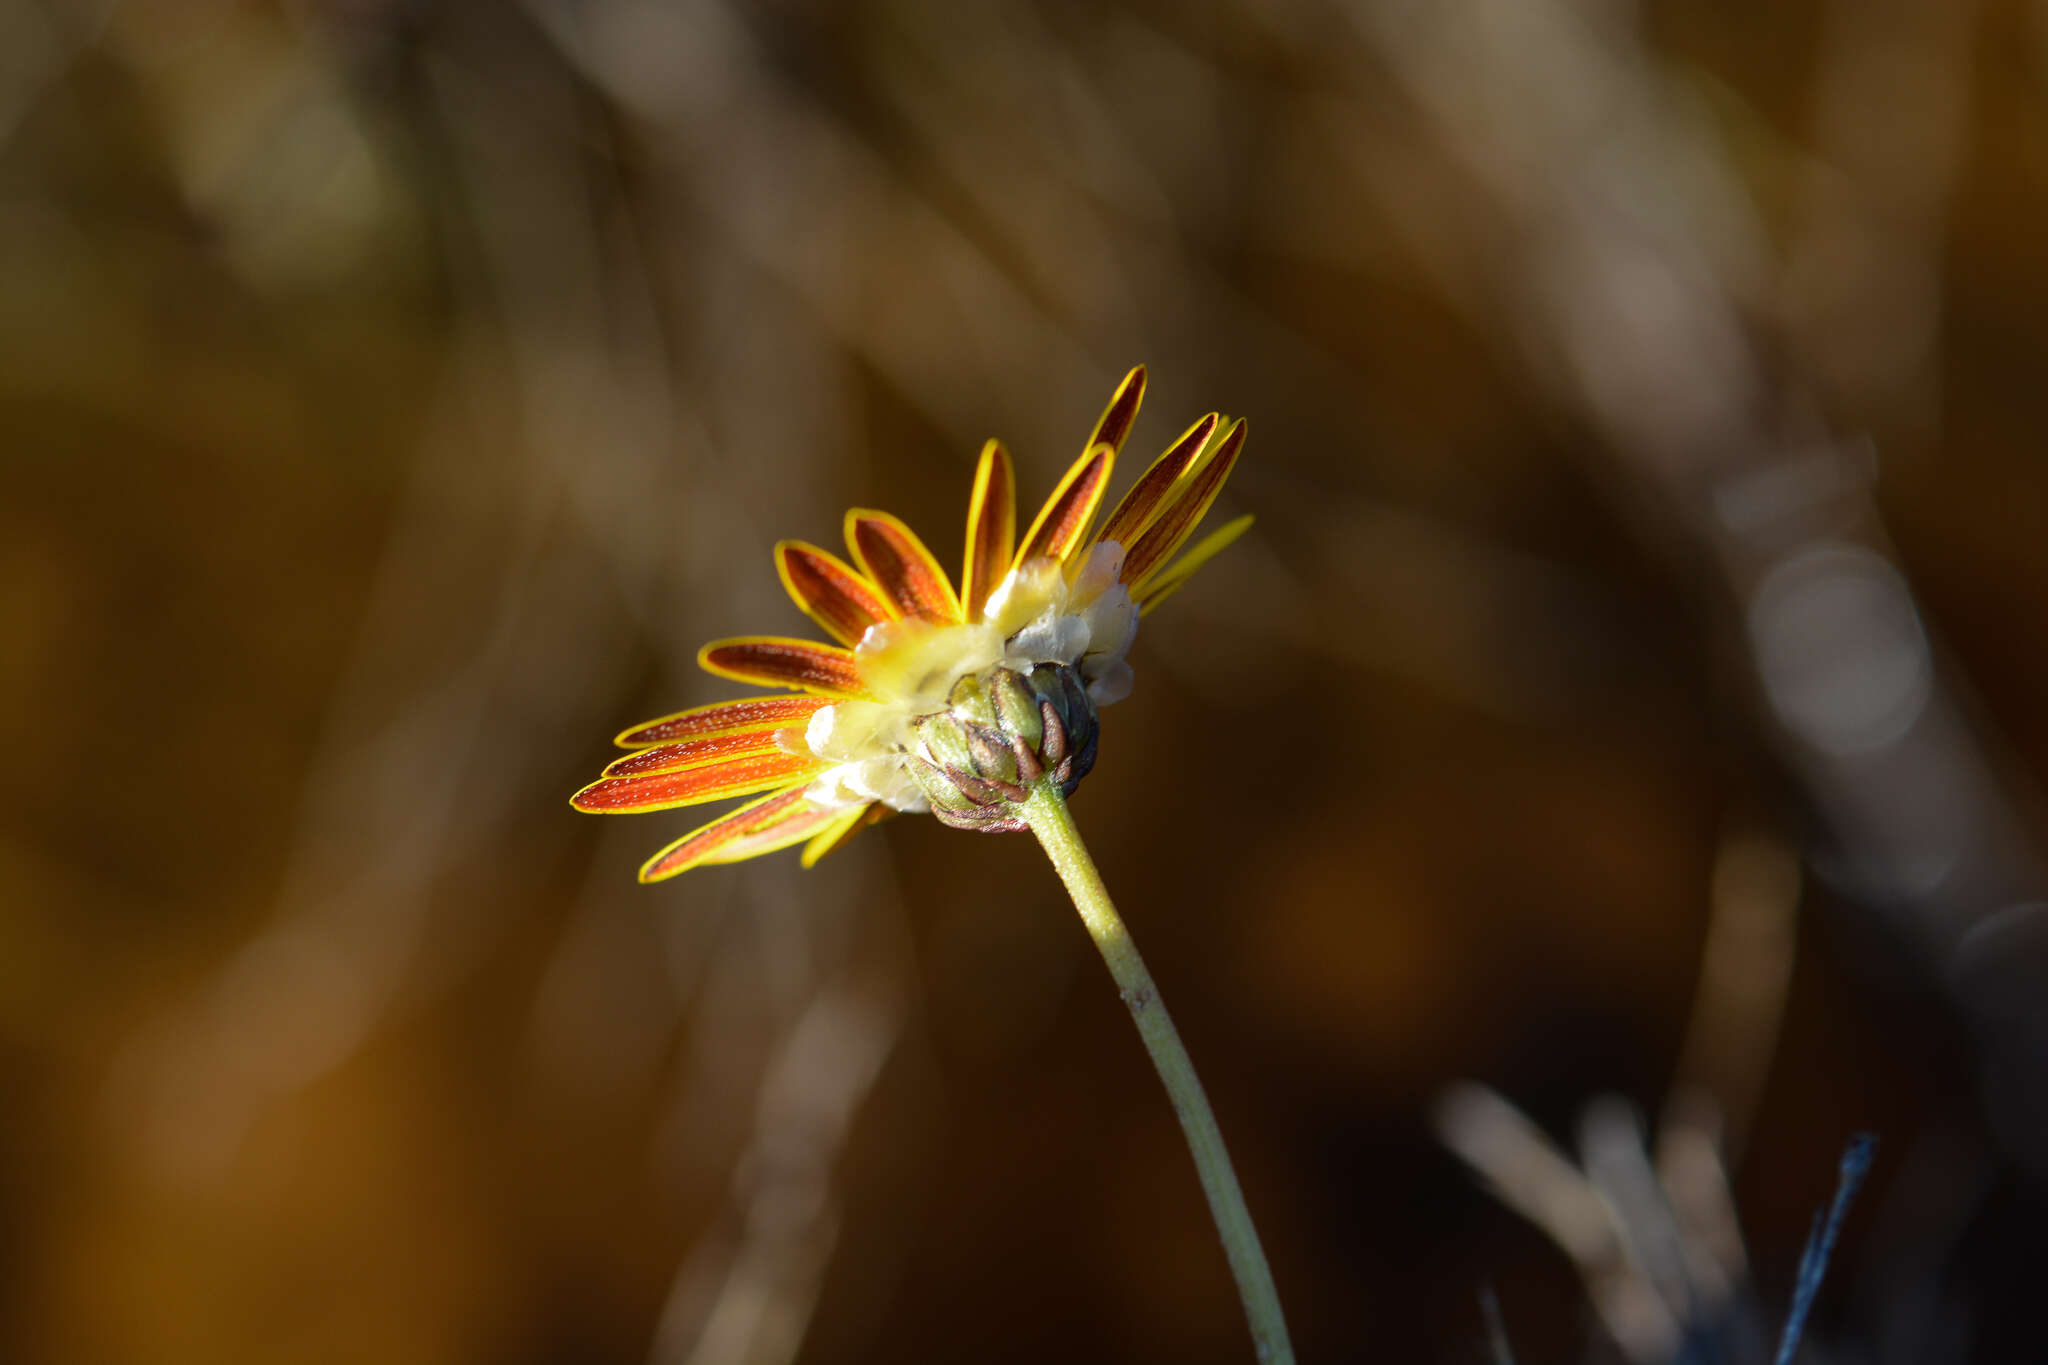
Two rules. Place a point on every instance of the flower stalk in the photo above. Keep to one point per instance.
(1044, 810)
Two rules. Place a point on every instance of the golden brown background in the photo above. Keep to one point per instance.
(1647, 443)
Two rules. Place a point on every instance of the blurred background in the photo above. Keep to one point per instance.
(1606, 779)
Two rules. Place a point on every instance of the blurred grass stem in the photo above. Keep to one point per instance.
(1046, 811)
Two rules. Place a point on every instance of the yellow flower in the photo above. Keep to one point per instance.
(932, 699)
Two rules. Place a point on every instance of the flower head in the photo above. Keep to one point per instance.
(932, 699)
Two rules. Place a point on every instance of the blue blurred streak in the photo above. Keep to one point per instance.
(1820, 1243)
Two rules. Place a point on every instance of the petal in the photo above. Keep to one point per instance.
(1051, 639)
(725, 717)
(1121, 412)
(1112, 685)
(901, 566)
(878, 777)
(855, 729)
(694, 786)
(991, 528)
(1132, 514)
(829, 591)
(805, 820)
(1171, 527)
(773, 661)
(702, 845)
(1112, 622)
(695, 753)
(1063, 522)
(834, 836)
(1164, 585)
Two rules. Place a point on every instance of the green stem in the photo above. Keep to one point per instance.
(1046, 812)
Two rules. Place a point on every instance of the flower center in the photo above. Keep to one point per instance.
(1074, 630)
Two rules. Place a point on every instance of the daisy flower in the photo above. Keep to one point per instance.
(976, 702)
(931, 696)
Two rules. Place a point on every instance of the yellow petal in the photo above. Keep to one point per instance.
(1062, 524)
(836, 835)
(900, 565)
(1172, 526)
(755, 823)
(829, 591)
(793, 826)
(696, 753)
(991, 528)
(741, 776)
(1116, 420)
(773, 661)
(722, 718)
(1166, 584)
(1156, 485)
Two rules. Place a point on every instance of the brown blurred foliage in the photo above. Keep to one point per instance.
(1647, 433)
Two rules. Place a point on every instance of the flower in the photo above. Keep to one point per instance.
(932, 699)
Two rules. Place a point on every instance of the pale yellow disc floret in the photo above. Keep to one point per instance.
(1038, 614)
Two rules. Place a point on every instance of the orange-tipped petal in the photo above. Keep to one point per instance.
(702, 845)
(1062, 523)
(694, 753)
(1165, 584)
(1132, 514)
(833, 837)
(1170, 528)
(725, 717)
(901, 566)
(773, 661)
(1121, 413)
(694, 786)
(829, 591)
(991, 529)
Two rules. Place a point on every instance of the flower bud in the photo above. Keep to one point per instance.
(1002, 732)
